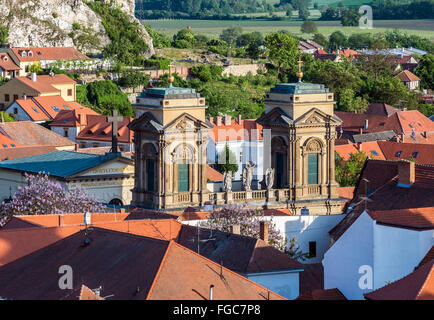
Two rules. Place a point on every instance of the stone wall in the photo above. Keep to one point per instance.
(243, 69)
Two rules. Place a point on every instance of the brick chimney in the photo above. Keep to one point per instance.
(236, 229)
(406, 173)
(218, 121)
(82, 119)
(263, 231)
(228, 120)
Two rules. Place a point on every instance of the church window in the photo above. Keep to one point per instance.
(183, 179)
(312, 169)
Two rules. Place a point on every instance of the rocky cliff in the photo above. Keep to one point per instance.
(61, 23)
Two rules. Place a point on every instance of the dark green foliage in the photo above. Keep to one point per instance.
(133, 79)
(337, 40)
(4, 33)
(227, 161)
(425, 71)
(309, 27)
(206, 73)
(104, 97)
(126, 45)
(350, 18)
(347, 172)
(158, 39)
(230, 35)
(157, 63)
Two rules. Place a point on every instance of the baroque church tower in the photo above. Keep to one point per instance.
(170, 136)
(300, 126)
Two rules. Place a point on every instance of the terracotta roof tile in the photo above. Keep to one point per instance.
(421, 153)
(418, 285)
(247, 129)
(428, 257)
(371, 149)
(185, 275)
(88, 294)
(346, 192)
(312, 278)
(32, 109)
(6, 62)
(407, 76)
(414, 218)
(71, 118)
(48, 53)
(7, 143)
(381, 109)
(323, 294)
(29, 133)
(98, 128)
(213, 175)
(44, 83)
(24, 151)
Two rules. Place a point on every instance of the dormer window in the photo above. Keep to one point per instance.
(415, 154)
(398, 154)
(23, 54)
(5, 58)
(30, 54)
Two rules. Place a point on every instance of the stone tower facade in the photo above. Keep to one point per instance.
(299, 131)
(170, 137)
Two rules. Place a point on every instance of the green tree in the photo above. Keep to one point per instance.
(348, 172)
(227, 161)
(337, 40)
(425, 71)
(231, 34)
(4, 33)
(390, 90)
(282, 50)
(309, 27)
(320, 39)
(133, 79)
(303, 14)
(350, 103)
(6, 117)
(350, 18)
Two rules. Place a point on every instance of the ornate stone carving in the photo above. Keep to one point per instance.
(185, 124)
(183, 152)
(227, 181)
(248, 175)
(313, 146)
(313, 119)
(269, 178)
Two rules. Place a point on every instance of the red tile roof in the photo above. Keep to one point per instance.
(312, 278)
(323, 294)
(371, 149)
(48, 53)
(407, 76)
(381, 109)
(415, 218)
(44, 83)
(24, 151)
(247, 129)
(346, 192)
(71, 118)
(348, 53)
(213, 175)
(88, 294)
(7, 143)
(418, 285)
(6, 62)
(98, 128)
(421, 153)
(428, 257)
(29, 133)
(186, 275)
(385, 194)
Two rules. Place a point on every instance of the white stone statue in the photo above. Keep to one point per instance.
(227, 181)
(269, 178)
(248, 175)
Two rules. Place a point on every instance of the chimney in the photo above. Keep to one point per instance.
(24, 96)
(61, 220)
(263, 231)
(34, 76)
(366, 124)
(361, 130)
(228, 120)
(236, 229)
(211, 291)
(82, 120)
(218, 121)
(359, 146)
(76, 147)
(406, 173)
(239, 119)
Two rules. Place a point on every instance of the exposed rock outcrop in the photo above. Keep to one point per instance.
(60, 23)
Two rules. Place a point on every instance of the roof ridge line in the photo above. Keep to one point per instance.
(426, 279)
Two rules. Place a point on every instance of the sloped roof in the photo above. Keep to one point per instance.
(88, 294)
(381, 109)
(44, 83)
(384, 192)
(48, 53)
(127, 266)
(407, 76)
(413, 218)
(71, 118)
(418, 285)
(29, 133)
(7, 143)
(59, 164)
(6, 62)
(323, 294)
(247, 130)
(236, 252)
(177, 279)
(374, 136)
(98, 128)
(346, 192)
(428, 257)
(371, 149)
(24, 151)
(213, 174)
(421, 153)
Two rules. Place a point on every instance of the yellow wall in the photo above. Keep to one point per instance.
(64, 91)
(15, 87)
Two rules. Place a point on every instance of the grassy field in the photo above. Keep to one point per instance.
(212, 28)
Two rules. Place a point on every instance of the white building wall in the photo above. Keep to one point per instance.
(285, 283)
(21, 115)
(344, 258)
(397, 252)
(72, 132)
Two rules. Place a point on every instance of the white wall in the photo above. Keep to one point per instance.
(344, 258)
(285, 283)
(397, 252)
(72, 132)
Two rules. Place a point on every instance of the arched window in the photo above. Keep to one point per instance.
(313, 158)
(183, 159)
(279, 153)
(116, 202)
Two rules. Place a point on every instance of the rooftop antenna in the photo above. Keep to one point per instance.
(198, 238)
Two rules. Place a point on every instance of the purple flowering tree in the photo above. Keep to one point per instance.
(43, 196)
